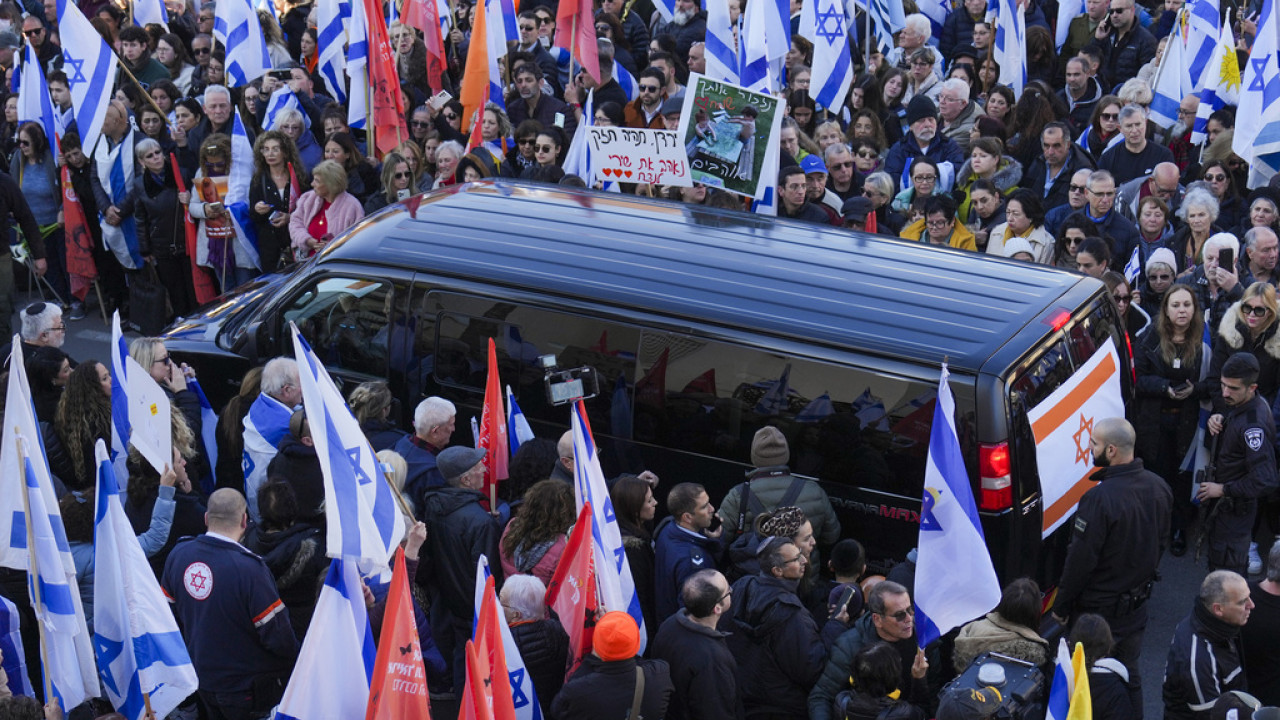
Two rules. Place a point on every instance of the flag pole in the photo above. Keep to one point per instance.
(33, 571)
(146, 700)
(866, 41)
(404, 505)
(150, 101)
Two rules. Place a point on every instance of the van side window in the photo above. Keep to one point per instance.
(345, 320)
(844, 425)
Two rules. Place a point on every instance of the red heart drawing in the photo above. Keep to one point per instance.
(608, 171)
(628, 173)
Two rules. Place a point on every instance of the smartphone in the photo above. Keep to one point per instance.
(283, 76)
(845, 597)
(1227, 259)
(402, 194)
(438, 100)
(214, 207)
(275, 215)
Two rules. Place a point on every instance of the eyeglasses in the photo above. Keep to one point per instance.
(58, 328)
(726, 595)
(921, 63)
(937, 224)
(1165, 192)
(1103, 194)
(1110, 116)
(924, 178)
(419, 123)
(545, 148)
(1078, 188)
(797, 558)
(450, 116)
(526, 141)
(161, 361)
(402, 176)
(1163, 277)
(1185, 113)
(1117, 11)
(602, 118)
(1216, 178)
(24, 143)
(544, 20)
(33, 32)
(868, 155)
(841, 166)
(1254, 310)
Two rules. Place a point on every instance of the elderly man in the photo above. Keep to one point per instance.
(1162, 182)
(461, 531)
(844, 179)
(1077, 199)
(958, 112)
(914, 35)
(816, 192)
(688, 25)
(922, 140)
(267, 423)
(1136, 156)
(702, 668)
(218, 118)
(1049, 176)
(433, 425)
(1100, 192)
(1205, 655)
(1179, 138)
(42, 326)
(1261, 252)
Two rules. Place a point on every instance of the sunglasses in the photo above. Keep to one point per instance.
(1122, 298)
(1162, 277)
(450, 116)
(1110, 116)
(841, 166)
(403, 176)
(420, 124)
(24, 143)
(161, 361)
(649, 88)
(1215, 178)
(1078, 188)
(201, 51)
(526, 141)
(868, 155)
(546, 148)
(544, 20)
(33, 33)
(1253, 310)
(901, 615)
(1117, 11)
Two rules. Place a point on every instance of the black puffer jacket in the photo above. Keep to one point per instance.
(854, 705)
(703, 670)
(297, 562)
(639, 550)
(461, 530)
(779, 651)
(158, 213)
(600, 690)
(297, 464)
(544, 647)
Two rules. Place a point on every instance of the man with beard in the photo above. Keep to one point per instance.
(688, 25)
(922, 140)
(1119, 532)
(535, 104)
(1179, 138)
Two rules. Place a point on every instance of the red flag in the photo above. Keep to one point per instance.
(399, 686)
(201, 277)
(475, 706)
(651, 389)
(576, 32)
(493, 430)
(704, 383)
(572, 591)
(489, 648)
(425, 15)
(80, 264)
(871, 222)
(294, 190)
(384, 81)
(477, 139)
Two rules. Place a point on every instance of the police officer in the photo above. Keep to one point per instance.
(1245, 462)
(1119, 532)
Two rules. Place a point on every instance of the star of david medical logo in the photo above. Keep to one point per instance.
(74, 69)
(1081, 437)
(833, 12)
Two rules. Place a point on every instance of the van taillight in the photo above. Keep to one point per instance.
(996, 484)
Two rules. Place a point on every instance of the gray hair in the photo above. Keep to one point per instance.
(526, 595)
(1254, 234)
(1254, 204)
(432, 412)
(288, 115)
(215, 90)
(1223, 240)
(452, 146)
(875, 598)
(143, 147)
(277, 373)
(881, 182)
(1100, 176)
(37, 323)
(925, 54)
(1214, 588)
(1273, 563)
(1135, 90)
(1198, 197)
(919, 24)
(1130, 110)
(835, 149)
(957, 86)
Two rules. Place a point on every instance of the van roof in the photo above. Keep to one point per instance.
(786, 279)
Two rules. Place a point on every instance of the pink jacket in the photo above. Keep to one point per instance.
(343, 213)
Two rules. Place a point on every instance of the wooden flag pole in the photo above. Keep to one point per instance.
(150, 101)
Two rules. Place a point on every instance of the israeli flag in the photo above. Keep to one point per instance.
(1011, 44)
(626, 81)
(358, 66)
(37, 544)
(1171, 82)
(115, 165)
(236, 26)
(1202, 31)
(121, 430)
(364, 522)
(284, 99)
(518, 430)
(1257, 132)
(1068, 10)
(332, 17)
(766, 38)
(578, 160)
(1222, 86)
(237, 200)
(666, 8)
(500, 29)
(14, 660)
(1060, 689)
(34, 103)
(952, 549)
(721, 45)
(522, 692)
(327, 682)
(264, 427)
(776, 397)
(824, 22)
(887, 18)
(613, 572)
(937, 12)
(139, 647)
(90, 66)
(817, 409)
(1133, 268)
(208, 426)
(151, 12)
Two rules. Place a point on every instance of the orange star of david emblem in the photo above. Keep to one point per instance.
(1082, 438)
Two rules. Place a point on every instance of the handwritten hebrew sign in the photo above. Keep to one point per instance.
(726, 130)
(652, 157)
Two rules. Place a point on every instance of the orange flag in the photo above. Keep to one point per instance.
(201, 277)
(475, 78)
(572, 592)
(489, 649)
(493, 430)
(475, 705)
(399, 687)
(384, 83)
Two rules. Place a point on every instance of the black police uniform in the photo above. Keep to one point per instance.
(1246, 467)
(1119, 532)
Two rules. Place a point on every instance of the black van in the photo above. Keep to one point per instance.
(701, 326)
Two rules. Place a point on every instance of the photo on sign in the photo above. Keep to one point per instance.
(726, 132)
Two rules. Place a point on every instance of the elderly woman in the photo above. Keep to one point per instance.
(1157, 278)
(291, 123)
(878, 188)
(1250, 326)
(397, 183)
(1011, 629)
(324, 211)
(161, 231)
(447, 157)
(1199, 213)
(866, 155)
(1153, 223)
(1216, 287)
(543, 643)
(1024, 218)
(923, 80)
(827, 134)
(1263, 212)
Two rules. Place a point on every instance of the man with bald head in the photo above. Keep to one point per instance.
(1162, 182)
(236, 627)
(1119, 532)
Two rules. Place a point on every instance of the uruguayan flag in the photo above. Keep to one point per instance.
(1171, 82)
(1011, 44)
(522, 692)
(823, 21)
(120, 427)
(284, 99)
(139, 647)
(952, 549)
(331, 18)
(1257, 132)
(613, 572)
(265, 426)
(236, 26)
(518, 430)
(358, 65)
(149, 12)
(364, 522)
(1068, 10)
(34, 104)
(237, 200)
(1222, 86)
(90, 66)
(1202, 31)
(721, 45)
(335, 665)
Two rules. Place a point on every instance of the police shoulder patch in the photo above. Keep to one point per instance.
(1253, 438)
(1081, 524)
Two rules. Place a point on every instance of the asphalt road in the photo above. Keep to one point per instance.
(1171, 601)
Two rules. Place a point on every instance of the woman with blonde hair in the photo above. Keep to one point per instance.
(371, 404)
(323, 212)
(1249, 326)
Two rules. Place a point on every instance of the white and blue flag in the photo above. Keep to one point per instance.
(1061, 686)
(961, 582)
(357, 66)
(626, 81)
(114, 164)
(766, 38)
(578, 160)
(34, 103)
(1133, 268)
(335, 665)
(523, 695)
(37, 543)
(237, 200)
(364, 522)
(1222, 84)
(90, 66)
(1171, 83)
(120, 427)
(331, 21)
(721, 44)
(777, 396)
(824, 23)
(518, 430)
(281, 100)
(1010, 44)
(236, 26)
(138, 644)
(151, 12)
(265, 425)
(617, 589)
(887, 18)
(665, 8)
(1257, 132)
(208, 428)
(1204, 18)
(14, 659)
(937, 12)
(1068, 10)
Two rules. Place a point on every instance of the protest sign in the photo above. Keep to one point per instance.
(727, 131)
(653, 157)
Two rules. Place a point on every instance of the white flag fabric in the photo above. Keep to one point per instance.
(90, 66)
(265, 426)
(335, 664)
(150, 12)
(1011, 45)
(937, 12)
(523, 695)
(721, 45)
(357, 65)
(284, 99)
(518, 430)
(1222, 86)
(236, 26)
(120, 429)
(886, 18)
(114, 164)
(766, 38)
(364, 522)
(149, 418)
(823, 22)
(1202, 31)
(1067, 11)
(331, 20)
(139, 647)
(237, 199)
(34, 103)
(1171, 82)
(617, 588)
(957, 580)
(1257, 132)
(1061, 425)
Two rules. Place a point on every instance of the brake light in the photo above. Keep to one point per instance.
(996, 483)
(1058, 318)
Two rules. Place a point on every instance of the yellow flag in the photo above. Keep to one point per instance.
(1081, 703)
